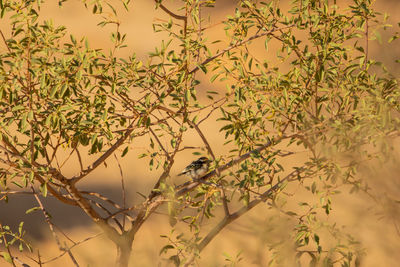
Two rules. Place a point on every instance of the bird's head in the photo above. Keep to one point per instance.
(204, 159)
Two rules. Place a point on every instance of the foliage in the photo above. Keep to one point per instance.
(315, 87)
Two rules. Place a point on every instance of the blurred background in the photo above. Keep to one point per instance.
(250, 235)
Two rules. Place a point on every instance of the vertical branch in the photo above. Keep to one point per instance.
(225, 202)
(123, 191)
(316, 94)
(196, 127)
(317, 77)
(30, 92)
(39, 259)
(6, 245)
(5, 41)
(79, 158)
(51, 226)
(203, 138)
(366, 41)
(199, 34)
(170, 158)
(150, 205)
(159, 143)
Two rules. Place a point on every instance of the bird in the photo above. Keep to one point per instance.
(197, 168)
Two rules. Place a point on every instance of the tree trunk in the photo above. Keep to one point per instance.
(124, 250)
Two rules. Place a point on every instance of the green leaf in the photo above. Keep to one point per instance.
(378, 36)
(17, 184)
(7, 257)
(64, 88)
(32, 210)
(30, 115)
(104, 115)
(125, 151)
(166, 248)
(54, 91)
(173, 142)
(142, 155)
(43, 189)
(391, 39)
(175, 259)
(291, 213)
(73, 40)
(19, 107)
(48, 121)
(313, 187)
(202, 68)
(187, 95)
(215, 76)
(63, 119)
(3, 11)
(316, 238)
(172, 213)
(147, 100)
(31, 176)
(20, 226)
(24, 122)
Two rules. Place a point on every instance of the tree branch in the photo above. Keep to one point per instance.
(172, 14)
(7, 245)
(74, 245)
(103, 157)
(228, 219)
(50, 223)
(190, 185)
(256, 36)
(155, 199)
(37, 176)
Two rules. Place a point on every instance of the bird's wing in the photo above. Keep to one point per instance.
(186, 170)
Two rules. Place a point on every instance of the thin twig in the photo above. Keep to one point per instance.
(48, 220)
(5, 41)
(159, 143)
(7, 245)
(172, 14)
(225, 202)
(79, 159)
(366, 41)
(208, 60)
(123, 190)
(76, 244)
